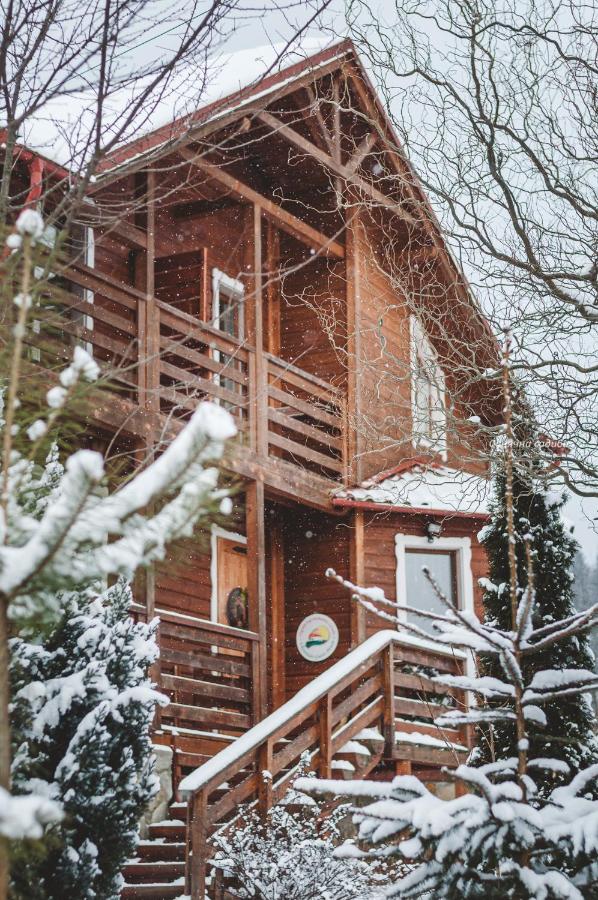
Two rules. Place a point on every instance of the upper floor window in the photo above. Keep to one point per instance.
(427, 392)
(227, 304)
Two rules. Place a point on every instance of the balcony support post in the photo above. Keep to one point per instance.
(353, 422)
(256, 552)
(258, 399)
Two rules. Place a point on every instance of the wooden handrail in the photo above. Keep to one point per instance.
(355, 693)
(167, 615)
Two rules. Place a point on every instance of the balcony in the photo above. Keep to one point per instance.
(159, 362)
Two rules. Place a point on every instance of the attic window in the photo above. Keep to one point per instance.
(427, 393)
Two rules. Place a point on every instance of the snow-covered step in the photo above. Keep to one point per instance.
(178, 811)
(156, 891)
(153, 871)
(169, 830)
(161, 850)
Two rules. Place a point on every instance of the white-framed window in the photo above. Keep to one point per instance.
(428, 394)
(448, 559)
(228, 312)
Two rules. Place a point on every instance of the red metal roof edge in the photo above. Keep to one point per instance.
(407, 510)
(179, 126)
(25, 154)
(412, 463)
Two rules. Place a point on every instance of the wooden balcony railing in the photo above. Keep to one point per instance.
(165, 361)
(384, 684)
(209, 672)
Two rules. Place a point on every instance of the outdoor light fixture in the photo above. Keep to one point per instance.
(433, 530)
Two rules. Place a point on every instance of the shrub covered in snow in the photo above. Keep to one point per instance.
(290, 856)
(82, 707)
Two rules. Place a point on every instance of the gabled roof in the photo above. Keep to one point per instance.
(420, 487)
(253, 84)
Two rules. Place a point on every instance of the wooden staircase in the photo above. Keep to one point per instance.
(374, 709)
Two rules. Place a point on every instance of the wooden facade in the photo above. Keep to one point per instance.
(244, 264)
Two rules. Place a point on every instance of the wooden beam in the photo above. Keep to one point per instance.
(337, 168)
(109, 223)
(276, 535)
(363, 148)
(285, 220)
(354, 350)
(317, 112)
(152, 322)
(256, 553)
(356, 560)
(272, 290)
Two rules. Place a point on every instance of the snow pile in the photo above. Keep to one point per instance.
(425, 487)
(26, 817)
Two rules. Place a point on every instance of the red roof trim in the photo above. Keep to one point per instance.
(407, 510)
(406, 466)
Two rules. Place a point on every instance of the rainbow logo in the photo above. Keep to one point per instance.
(318, 636)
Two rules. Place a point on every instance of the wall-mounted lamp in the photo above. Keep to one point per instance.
(433, 530)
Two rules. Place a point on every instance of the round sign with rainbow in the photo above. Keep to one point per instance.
(317, 637)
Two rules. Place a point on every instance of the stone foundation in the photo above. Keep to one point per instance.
(157, 811)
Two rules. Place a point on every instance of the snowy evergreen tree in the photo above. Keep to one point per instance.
(82, 707)
(585, 593)
(565, 731)
(502, 835)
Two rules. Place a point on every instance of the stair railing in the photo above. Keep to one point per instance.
(362, 690)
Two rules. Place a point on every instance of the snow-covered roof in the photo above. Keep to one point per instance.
(421, 487)
(60, 130)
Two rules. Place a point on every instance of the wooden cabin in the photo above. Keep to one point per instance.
(274, 253)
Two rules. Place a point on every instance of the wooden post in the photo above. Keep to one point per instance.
(152, 323)
(403, 767)
(325, 720)
(255, 331)
(273, 289)
(256, 555)
(197, 843)
(277, 613)
(354, 353)
(264, 784)
(357, 577)
(388, 659)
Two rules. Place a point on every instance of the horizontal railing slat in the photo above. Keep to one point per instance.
(327, 462)
(303, 406)
(316, 434)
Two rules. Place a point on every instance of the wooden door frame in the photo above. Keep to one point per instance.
(232, 536)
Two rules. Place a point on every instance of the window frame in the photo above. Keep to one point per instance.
(460, 546)
(234, 287)
(418, 338)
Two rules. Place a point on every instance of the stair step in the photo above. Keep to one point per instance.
(152, 891)
(178, 811)
(170, 831)
(161, 850)
(153, 871)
